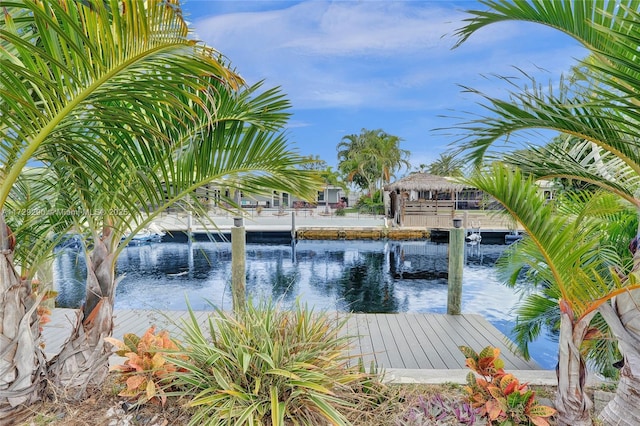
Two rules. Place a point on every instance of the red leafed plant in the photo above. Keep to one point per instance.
(146, 372)
(500, 396)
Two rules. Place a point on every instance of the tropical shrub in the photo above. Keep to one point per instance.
(340, 209)
(147, 373)
(267, 366)
(441, 410)
(500, 396)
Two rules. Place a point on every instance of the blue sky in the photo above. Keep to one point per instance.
(349, 65)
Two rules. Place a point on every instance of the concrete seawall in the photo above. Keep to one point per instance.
(272, 227)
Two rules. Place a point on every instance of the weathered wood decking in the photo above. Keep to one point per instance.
(398, 341)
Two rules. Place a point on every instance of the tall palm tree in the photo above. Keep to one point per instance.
(97, 92)
(388, 156)
(605, 114)
(371, 158)
(351, 161)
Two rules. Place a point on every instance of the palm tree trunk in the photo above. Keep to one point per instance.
(22, 361)
(623, 317)
(82, 365)
(572, 403)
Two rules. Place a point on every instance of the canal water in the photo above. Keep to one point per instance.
(347, 276)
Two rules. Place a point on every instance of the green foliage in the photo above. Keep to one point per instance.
(498, 395)
(371, 203)
(447, 165)
(268, 367)
(568, 253)
(146, 372)
(370, 159)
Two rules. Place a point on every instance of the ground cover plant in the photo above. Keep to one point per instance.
(269, 366)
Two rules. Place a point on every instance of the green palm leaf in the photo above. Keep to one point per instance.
(567, 254)
(579, 160)
(80, 63)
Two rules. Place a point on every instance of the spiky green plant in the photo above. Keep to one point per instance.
(267, 366)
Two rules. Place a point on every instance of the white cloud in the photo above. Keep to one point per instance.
(365, 54)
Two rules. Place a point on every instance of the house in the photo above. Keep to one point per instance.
(331, 196)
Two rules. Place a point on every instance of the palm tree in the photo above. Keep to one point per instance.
(446, 165)
(606, 115)
(237, 148)
(97, 92)
(390, 157)
(351, 161)
(371, 158)
(570, 269)
(62, 64)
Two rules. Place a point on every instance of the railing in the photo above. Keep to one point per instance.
(470, 219)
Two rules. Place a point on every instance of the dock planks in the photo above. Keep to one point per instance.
(399, 341)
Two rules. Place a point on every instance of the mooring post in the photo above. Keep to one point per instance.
(238, 266)
(293, 226)
(456, 263)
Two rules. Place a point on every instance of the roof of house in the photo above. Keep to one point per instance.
(420, 181)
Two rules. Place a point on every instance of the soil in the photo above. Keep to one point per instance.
(108, 409)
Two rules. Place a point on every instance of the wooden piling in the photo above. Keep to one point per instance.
(456, 263)
(238, 265)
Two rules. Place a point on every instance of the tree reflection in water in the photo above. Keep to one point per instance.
(365, 286)
(349, 276)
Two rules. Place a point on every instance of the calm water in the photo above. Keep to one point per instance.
(348, 276)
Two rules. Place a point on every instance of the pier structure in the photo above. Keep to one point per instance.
(285, 228)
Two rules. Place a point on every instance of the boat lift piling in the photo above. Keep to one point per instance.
(456, 264)
(238, 265)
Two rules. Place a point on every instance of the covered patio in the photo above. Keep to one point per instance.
(417, 199)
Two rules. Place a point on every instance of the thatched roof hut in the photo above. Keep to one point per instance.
(420, 181)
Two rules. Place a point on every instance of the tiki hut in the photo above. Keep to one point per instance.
(420, 195)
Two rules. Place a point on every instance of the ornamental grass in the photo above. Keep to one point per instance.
(268, 366)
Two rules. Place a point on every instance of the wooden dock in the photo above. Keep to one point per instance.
(394, 341)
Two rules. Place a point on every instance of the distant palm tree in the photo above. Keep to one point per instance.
(447, 165)
(371, 158)
(604, 117)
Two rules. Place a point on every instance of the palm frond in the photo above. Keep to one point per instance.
(83, 63)
(567, 254)
(579, 160)
(605, 112)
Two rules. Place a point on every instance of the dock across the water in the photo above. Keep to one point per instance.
(408, 347)
(289, 227)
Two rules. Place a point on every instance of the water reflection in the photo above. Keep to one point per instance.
(348, 276)
(354, 276)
